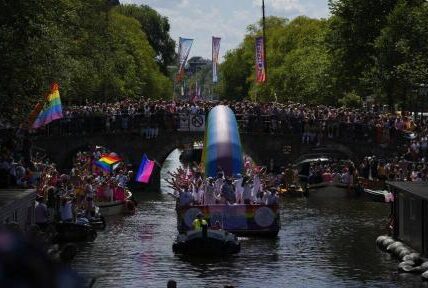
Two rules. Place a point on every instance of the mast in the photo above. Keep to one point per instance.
(264, 37)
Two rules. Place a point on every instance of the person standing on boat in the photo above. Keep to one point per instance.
(227, 191)
(209, 195)
(239, 188)
(66, 210)
(90, 194)
(218, 183)
(246, 193)
(185, 198)
(199, 222)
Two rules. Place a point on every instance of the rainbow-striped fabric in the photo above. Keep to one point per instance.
(107, 162)
(52, 109)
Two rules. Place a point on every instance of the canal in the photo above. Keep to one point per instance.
(321, 244)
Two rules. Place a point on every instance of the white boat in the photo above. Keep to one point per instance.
(110, 208)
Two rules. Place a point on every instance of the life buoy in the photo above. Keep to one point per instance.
(264, 217)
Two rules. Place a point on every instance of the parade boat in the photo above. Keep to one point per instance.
(206, 242)
(222, 152)
(117, 207)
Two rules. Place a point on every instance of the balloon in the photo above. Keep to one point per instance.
(222, 144)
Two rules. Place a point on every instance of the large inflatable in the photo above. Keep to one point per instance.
(222, 145)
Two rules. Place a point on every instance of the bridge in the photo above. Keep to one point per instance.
(266, 146)
(62, 149)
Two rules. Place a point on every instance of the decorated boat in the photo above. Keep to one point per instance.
(222, 153)
(206, 242)
(242, 220)
(116, 207)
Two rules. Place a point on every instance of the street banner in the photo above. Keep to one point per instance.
(260, 60)
(185, 44)
(215, 53)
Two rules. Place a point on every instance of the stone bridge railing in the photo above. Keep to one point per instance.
(310, 132)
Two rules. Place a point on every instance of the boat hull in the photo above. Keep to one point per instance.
(111, 208)
(242, 220)
(214, 243)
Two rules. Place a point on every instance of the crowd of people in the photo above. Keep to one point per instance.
(72, 195)
(254, 187)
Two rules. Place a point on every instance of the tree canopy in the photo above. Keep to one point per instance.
(366, 48)
(96, 50)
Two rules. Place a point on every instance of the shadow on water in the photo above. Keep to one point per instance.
(321, 244)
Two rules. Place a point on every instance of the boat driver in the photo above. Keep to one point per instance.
(199, 222)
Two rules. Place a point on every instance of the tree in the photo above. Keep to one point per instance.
(354, 27)
(157, 28)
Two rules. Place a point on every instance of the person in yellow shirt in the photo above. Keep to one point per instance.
(199, 222)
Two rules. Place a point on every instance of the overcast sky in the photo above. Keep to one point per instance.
(228, 19)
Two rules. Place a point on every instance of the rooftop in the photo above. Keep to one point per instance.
(419, 189)
(8, 196)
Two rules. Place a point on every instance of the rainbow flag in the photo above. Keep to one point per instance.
(145, 170)
(52, 109)
(107, 162)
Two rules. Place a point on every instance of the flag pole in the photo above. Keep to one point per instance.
(264, 37)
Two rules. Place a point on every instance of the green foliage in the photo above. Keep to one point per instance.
(298, 63)
(351, 100)
(91, 48)
(372, 48)
(157, 29)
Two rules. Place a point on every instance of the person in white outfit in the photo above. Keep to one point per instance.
(239, 189)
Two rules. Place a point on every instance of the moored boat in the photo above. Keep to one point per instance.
(126, 206)
(293, 190)
(206, 242)
(74, 232)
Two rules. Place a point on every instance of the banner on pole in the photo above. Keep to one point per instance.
(185, 44)
(260, 60)
(215, 54)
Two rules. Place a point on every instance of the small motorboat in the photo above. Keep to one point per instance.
(377, 195)
(81, 231)
(207, 242)
(126, 206)
(292, 191)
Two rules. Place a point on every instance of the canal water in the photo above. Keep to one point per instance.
(321, 244)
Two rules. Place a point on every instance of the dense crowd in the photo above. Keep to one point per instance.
(61, 197)
(255, 186)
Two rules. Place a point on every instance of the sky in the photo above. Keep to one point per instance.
(228, 19)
